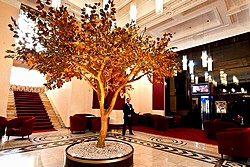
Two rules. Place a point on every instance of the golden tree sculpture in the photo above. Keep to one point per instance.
(94, 49)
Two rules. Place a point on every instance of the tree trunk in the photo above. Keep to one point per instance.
(104, 117)
(103, 131)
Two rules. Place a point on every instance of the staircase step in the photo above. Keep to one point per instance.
(27, 98)
(33, 114)
(42, 120)
(31, 105)
(29, 108)
(25, 95)
(16, 93)
(43, 124)
(28, 102)
(43, 127)
(42, 116)
(31, 111)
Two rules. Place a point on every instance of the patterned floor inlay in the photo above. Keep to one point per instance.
(37, 146)
(52, 138)
(173, 141)
(225, 163)
(44, 142)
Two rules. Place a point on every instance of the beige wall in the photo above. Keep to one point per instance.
(81, 97)
(74, 97)
(141, 96)
(5, 43)
(60, 100)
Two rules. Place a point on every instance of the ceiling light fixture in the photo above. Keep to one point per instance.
(204, 58)
(209, 64)
(192, 78)
(235, 80)
(158, 6)
(191, 66)
(56, 3)
(206, 76)
(104, 2)
(184, 62)
(196, 79)
(133, 13)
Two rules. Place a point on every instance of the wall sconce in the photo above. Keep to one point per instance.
(133, 13)
(209, 64)
(184, 62)
(204, 58)
(191, 66)
(158, 6)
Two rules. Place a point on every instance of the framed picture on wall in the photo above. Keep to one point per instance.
(221, 107)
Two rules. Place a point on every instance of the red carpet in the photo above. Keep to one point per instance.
(181, 133)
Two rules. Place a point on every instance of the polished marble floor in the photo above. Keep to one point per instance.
(47, 149)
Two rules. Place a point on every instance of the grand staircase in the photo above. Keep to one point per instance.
(30, 104)
(33, 104)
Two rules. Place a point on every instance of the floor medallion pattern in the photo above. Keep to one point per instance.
(174, 146)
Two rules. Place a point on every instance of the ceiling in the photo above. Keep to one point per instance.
(192, 23)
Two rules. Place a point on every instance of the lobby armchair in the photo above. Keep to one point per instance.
(135, 119)
(78, 124)
(88, 116)
(3, 122)
(96, 124)
(211, 127)
(161, 122)
(234, 142)
(20, 126)
(148, 120)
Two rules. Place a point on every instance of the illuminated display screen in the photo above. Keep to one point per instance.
(200, 89)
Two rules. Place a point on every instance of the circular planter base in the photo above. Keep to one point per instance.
(114, 154)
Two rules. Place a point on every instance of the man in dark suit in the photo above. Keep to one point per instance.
(127, 111)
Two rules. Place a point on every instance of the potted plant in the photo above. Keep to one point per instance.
(94, 49)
